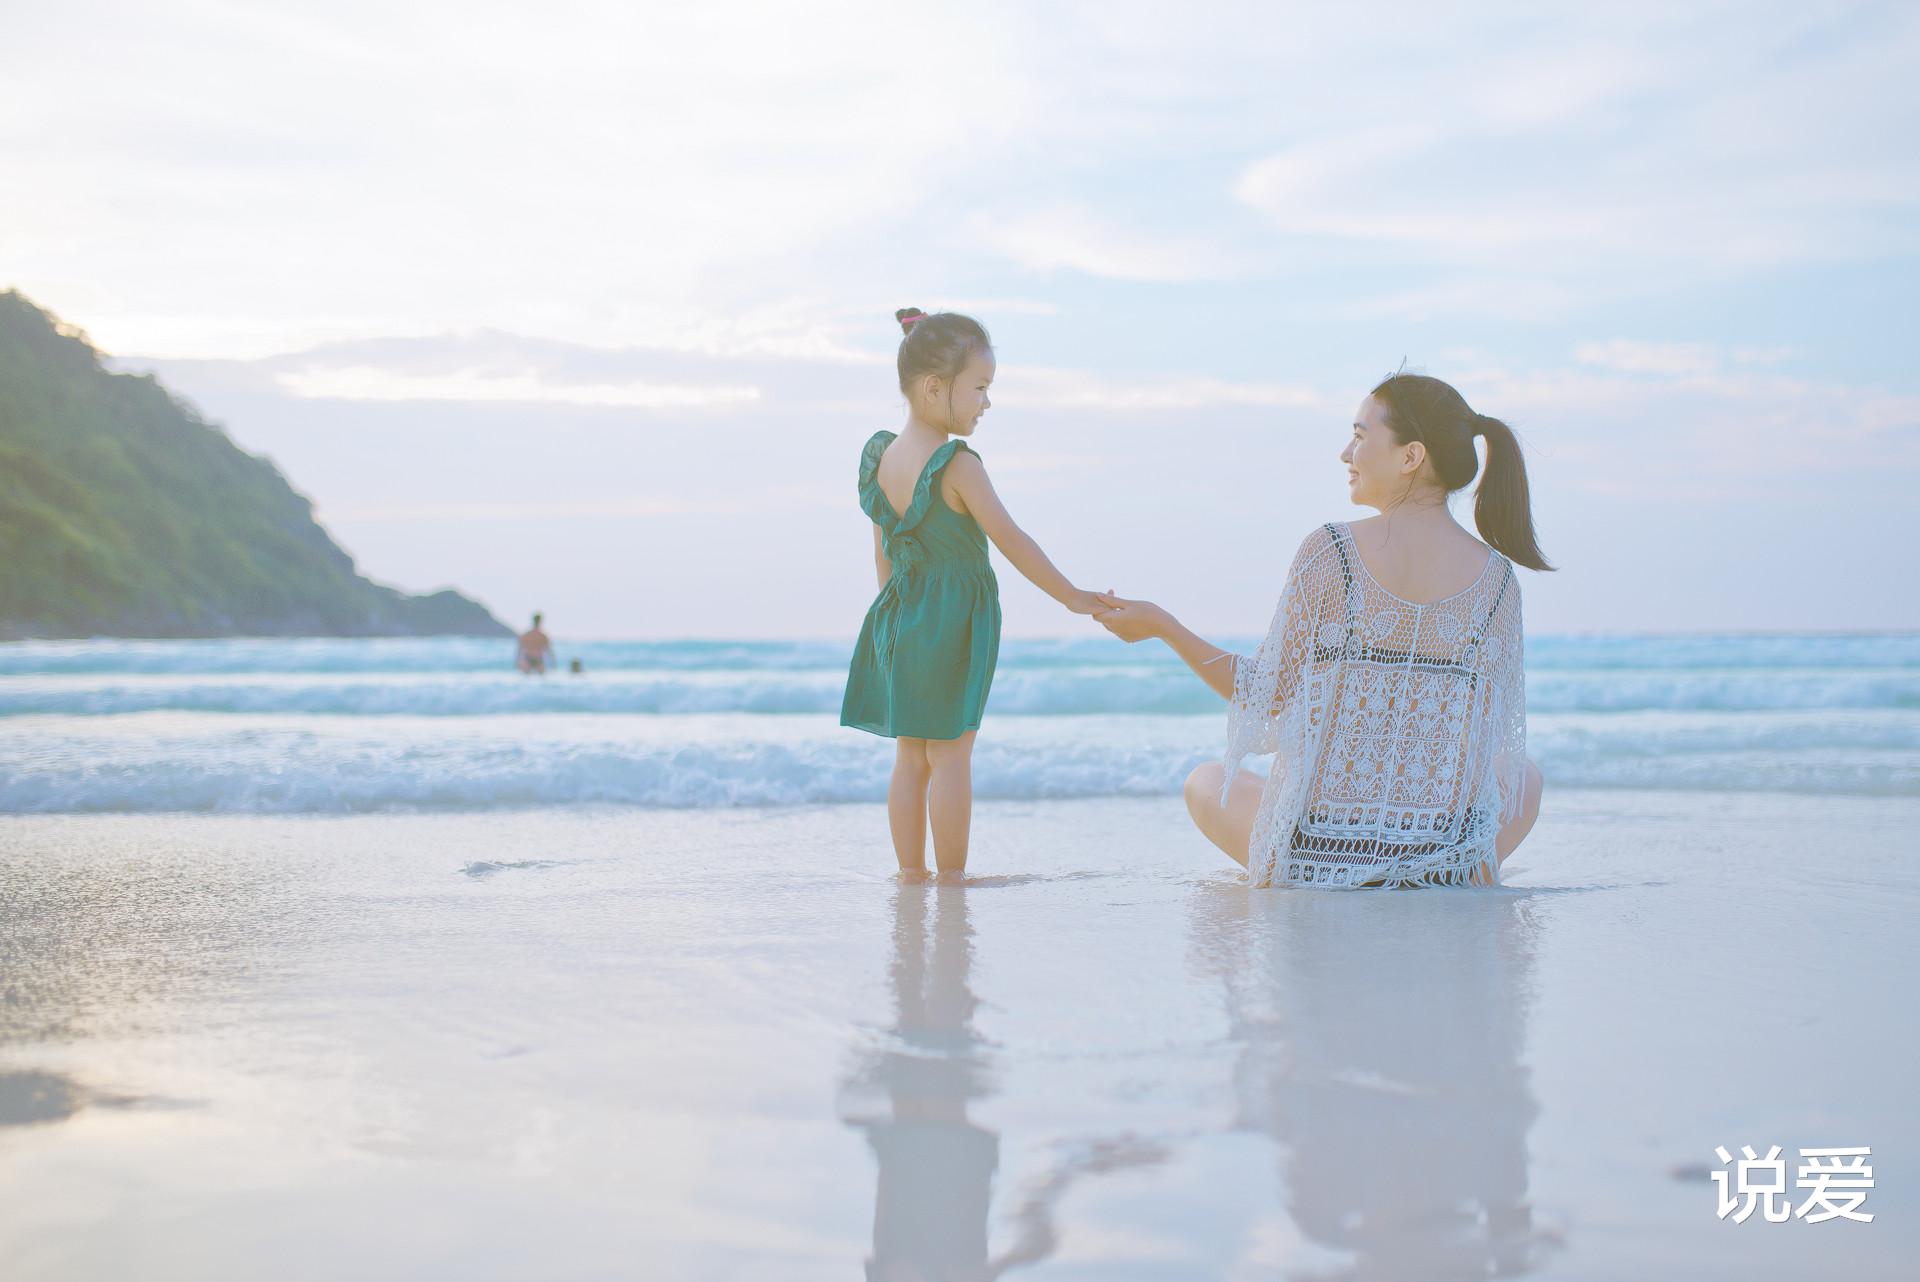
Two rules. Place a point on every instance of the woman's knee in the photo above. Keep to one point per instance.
(1203, 787)
(1227, 824)
(1515, 830)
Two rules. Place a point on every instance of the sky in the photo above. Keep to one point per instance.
(587, 308)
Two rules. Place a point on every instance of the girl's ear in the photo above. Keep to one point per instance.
(930, 387)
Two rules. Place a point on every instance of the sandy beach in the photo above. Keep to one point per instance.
(611, 1043)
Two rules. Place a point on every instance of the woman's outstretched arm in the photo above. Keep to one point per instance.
(1137, 620)
(1310, 598)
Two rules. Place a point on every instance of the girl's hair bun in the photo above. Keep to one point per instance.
(940, 344)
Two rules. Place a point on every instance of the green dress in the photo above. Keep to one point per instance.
(925, 658)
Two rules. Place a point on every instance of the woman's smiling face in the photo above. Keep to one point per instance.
(1380, 469)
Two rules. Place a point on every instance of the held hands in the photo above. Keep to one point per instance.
(1129, 620)
(1082, 602)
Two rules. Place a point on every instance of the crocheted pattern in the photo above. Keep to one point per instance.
(1398, 730)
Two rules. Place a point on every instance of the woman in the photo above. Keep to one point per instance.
(1390, 686)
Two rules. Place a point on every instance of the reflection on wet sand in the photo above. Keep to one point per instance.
(112, 952)
(126, 946)
(910, 1091)
(936, 1166)
(29, 1097)
(1379, 1041)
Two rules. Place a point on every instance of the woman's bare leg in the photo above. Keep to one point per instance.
(1228, 826)
(907, 804)
(950, 800)
(1515, 831)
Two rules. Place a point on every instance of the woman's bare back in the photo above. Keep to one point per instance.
(1419, 560)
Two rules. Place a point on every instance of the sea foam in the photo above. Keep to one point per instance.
(329, 726)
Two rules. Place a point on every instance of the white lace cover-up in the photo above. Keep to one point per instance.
(1398, 730)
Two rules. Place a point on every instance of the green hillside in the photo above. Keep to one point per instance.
(123, 513)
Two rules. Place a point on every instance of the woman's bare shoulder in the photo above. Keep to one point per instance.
(1318, 541)
(1454, 543)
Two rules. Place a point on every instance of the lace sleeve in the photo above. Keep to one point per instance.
(1266, 683)
(1506, 706)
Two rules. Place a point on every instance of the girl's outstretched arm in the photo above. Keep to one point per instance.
(967, 480)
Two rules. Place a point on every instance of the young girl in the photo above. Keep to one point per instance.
(925, 658)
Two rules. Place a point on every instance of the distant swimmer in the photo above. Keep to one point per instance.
(576, 667)
(536, 650)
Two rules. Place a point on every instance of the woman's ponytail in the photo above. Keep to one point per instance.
(1502, 506)
(1422, 408)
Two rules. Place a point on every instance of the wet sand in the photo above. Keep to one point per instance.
(727, 1044)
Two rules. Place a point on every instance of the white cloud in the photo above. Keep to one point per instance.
(1478, 297)
(493, 366)
(1075, 239)
(634, 509)
(498, 367)
(999, 306)
(1683, 426)
(1762, 355)
(1633, 357)
(1589, 160)
(667, 176)
(1877, 412)
(440, 164)
(1081, 389)
(369, 383)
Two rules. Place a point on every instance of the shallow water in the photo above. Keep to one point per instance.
(717, 1044)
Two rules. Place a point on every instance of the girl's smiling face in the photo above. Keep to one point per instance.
(1380, 470)
(958, 405)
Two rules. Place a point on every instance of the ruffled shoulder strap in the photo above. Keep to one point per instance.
(923, 490)
(872, 500)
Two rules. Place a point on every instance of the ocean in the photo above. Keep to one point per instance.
(373, 959)
(319, 726)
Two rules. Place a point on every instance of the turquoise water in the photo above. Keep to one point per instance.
(297, 726)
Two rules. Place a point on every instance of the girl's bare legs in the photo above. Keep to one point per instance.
(950, 799)
(1228, 826)
(907, 804)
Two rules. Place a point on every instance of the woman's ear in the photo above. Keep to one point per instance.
(1416, 455)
